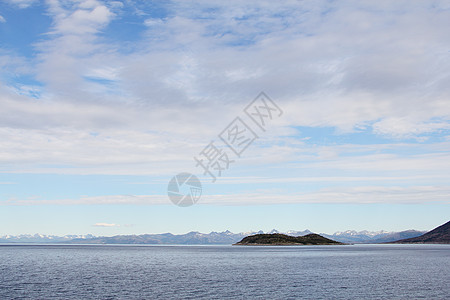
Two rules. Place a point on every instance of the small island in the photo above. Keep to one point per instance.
(278, 239)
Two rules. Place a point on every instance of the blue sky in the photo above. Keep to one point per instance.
(102, 102)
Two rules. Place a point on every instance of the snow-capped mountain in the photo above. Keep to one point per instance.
(198, 238)
(298, 233)
(359, 233)
(382, 236)
(41, 238)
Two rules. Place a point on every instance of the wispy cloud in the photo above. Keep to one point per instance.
(336, 195)
(106, 225)
(375, 82)
(21, 3)
(105, 105)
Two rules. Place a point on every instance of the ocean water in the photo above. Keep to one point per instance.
(224, 272)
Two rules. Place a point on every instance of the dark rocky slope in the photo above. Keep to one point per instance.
(439, 235)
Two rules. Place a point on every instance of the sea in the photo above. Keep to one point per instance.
(224, 272)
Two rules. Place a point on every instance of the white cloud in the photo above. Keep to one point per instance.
(361, 195)
(401, 127)
(105, 225)
(2, 19)
(348, 65)
(320, 179)
(22, 3)
(153, 22)
(72, 51)
(87, 19)
(116, 4)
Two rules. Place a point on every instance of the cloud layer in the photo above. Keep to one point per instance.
(362, 195)
(91, 101)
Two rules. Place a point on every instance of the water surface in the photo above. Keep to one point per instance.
(224, 272)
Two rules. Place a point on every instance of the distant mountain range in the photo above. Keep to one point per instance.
(197, 238)
(439, 235)
(42, 238)
(191, 238)
(372, 237)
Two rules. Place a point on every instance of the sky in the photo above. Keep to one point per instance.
(102, 103)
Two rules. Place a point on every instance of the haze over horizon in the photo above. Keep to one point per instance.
(103, 102)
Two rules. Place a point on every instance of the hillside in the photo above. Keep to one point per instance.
(439, 235)
(282, 239)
